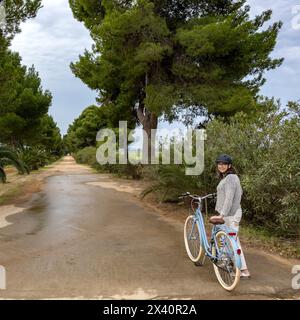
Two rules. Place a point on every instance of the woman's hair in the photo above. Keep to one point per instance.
(230, 170)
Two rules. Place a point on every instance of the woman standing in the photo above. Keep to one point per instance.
(229, 194)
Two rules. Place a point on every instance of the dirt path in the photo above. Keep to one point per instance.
(85, 235)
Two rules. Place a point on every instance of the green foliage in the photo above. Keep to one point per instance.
(173, 54)
(90, 12)
(9, 157)
(50, 137)
(274, 189)
(82, 133)
(18, 11)
(87, 155)
(35, 157)
(266, 154)
(23, 103)
(47, 146)
(266, 151)
(171, 181)
(24, 123)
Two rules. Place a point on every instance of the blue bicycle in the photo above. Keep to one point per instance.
(222, 249)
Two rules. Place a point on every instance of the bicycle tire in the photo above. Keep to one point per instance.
(192, 242)
(228, 279)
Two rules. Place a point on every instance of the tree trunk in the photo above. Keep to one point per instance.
(149, 121)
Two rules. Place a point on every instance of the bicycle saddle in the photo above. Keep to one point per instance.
(216, 220)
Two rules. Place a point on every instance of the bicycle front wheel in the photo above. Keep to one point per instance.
(226, 270)
(192, 241)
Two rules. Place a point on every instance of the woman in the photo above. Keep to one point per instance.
(229, 194)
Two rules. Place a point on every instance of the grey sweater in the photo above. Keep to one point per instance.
(229, 195)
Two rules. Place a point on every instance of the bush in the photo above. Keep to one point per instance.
(266, 151)
(10, 157)
(36, 157)
(266, 154)
(87, 156)
(171, 181)
(274, 191)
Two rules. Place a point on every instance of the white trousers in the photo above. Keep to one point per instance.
(233, 222)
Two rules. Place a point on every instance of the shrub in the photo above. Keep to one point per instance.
(10, 157)
(87, 156)
(171, 181)
(266, 151)
(36, 157)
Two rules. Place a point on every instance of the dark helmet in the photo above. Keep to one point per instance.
(225, 158)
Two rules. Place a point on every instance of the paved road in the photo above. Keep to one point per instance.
(77, 240)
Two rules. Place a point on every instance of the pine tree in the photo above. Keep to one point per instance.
(162, 57)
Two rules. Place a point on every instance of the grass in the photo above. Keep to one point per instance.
(264, 239)
(18, 186)
(19, 189)
(10, 194)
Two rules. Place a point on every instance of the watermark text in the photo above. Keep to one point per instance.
(162, 147)
(2, 278)
(296, 278)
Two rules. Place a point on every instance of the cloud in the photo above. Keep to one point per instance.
(290, 53)
(51, 41)
(288, 47)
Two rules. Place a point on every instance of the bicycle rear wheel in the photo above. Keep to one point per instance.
(192, 241)
(226, 270)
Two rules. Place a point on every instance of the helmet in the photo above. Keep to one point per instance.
(224, 158)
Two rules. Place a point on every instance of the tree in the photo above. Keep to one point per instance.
(162, 57)
(46, 148)
(50, 137)
(17, 11)
(23, 102)
(25, 125)
(82, 133)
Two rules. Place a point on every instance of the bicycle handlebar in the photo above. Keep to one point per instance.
(199, 198)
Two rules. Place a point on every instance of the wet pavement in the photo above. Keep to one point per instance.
(78, 240)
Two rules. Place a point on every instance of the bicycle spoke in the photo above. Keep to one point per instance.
(225, 265)
(192, 241)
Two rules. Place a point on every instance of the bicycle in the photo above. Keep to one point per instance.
(223, 249)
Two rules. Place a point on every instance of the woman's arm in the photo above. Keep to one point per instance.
(230, 187)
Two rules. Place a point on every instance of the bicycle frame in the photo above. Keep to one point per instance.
(208, 247)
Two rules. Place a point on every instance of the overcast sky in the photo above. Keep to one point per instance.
(54, 38)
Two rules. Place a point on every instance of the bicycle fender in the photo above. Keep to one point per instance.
(236, 255)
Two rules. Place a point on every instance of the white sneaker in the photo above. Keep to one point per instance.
(245, 275)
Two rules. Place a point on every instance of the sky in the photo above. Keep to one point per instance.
(54, 39)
